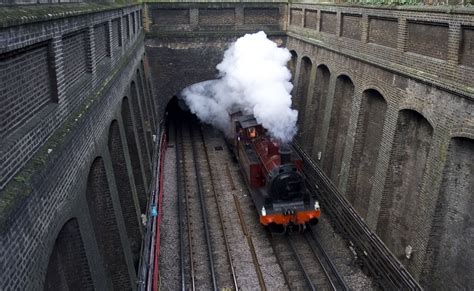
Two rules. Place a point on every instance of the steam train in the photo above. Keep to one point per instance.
(273, 173)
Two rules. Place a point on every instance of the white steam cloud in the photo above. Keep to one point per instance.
(253, 78)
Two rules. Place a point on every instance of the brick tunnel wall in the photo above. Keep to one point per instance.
(391, 101)
(67, 77)
(185, 42)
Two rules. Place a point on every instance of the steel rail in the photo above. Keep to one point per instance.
(300, 263)
(247, 235)
(203, 210)
(378, 259)
(180, 207)
(190, 243)
(314, 242)
(219, 212)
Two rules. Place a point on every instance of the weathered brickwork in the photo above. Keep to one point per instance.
(25, 80)
(310, 19)
(170, 16)
(391, 165)
(367, 140)
(467, 46)
(179, 18)
(102, 45)
(296, 16)
(261, 16)
(68, 268)
(351, 26)
(421, 39)
(217, 16)
(50, 160)
(128, 197)
(102, 214)
(451, 249)
(328, 22)
(381, 31)
(70, 60)
(135, 154)
(76, 61)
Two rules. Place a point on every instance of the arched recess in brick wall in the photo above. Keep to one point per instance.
(366, 148)
(68, 268)
(301, 100)
(101, 209)
(315, 127)
(452, 231)
(147, 88)
(128, 202)
(149, 105)
(404, 178)
(140, 179)
(338, 126)
(292, 64)
(142, 137)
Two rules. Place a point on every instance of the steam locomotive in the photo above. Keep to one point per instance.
(273, 173)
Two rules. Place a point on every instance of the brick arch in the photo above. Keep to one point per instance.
(128, 201)
(415, 105)
(368, 138)
(301, 99)
(68, 268)
(338, 126)
(135, 159)
(462, 130)
(143, 139)
(411, 145)
(101, 210)
(149, 115)
(316, 120)
(449, 251)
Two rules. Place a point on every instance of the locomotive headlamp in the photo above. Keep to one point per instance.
(316, 205)
(264, 211)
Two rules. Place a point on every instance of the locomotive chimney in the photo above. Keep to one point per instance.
(285, 154)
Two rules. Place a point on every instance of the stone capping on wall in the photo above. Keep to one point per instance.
(22, 144)
(419, 60)
(221, 18)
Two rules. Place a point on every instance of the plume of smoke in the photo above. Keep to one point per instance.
(253, 78)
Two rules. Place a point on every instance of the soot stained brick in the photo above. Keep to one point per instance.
(429, 39)
(351, 26)
(75, 57)
(383, 31)
(101, 34)
(261, 15)
(106, 231)
(170, 16)
(296, 16)
(68, 268)
(328, 22)
(224, 16)
(467, 46)
(310, 19)
(25, 86)
(116, 34)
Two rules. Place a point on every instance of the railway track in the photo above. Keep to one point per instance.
(305, 263)
(209, 265)
(372, 254)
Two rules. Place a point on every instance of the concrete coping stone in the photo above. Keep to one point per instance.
(11, 15)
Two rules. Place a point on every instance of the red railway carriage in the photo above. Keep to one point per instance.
(273, 174)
